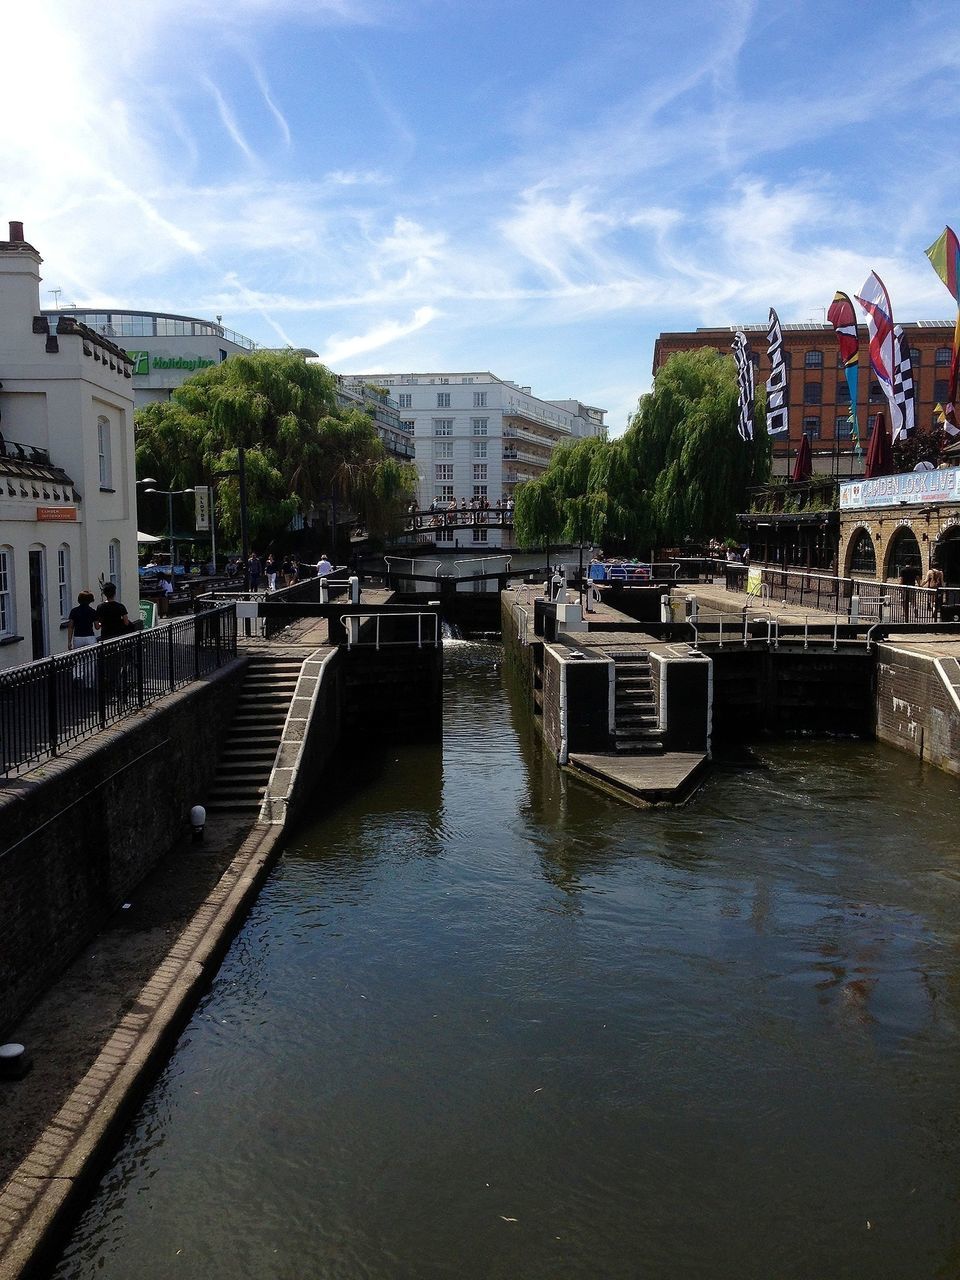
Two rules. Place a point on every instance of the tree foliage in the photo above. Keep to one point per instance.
(923, 444)
(301, 449)
(680, 470)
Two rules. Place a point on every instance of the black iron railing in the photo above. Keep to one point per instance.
(876, 601)
(48, 706)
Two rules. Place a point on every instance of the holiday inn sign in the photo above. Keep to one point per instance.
(144, 363)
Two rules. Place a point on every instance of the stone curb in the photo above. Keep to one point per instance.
(52, 1181)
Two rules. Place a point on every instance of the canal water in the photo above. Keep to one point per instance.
(486, 1022)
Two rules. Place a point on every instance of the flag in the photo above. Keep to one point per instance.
(949, 426)
(778, 404)
(875, 300)
(844, 320)
(904, 395)
(741, 354)
(944, 255)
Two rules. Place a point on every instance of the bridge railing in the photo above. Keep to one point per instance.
(868, 598)
(48, 706)
(402, 627)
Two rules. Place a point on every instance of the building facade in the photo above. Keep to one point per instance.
(67, 488)
(165, 349)
(819, 400)
(397, 436)
(911, 518)
(479, 436)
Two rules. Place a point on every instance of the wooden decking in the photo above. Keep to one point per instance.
(642, 779)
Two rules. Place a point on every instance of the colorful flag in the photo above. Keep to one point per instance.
(944, 255)
(904, 395)
(875, 300)
(844, 320)
(778, 403)
(741, 354)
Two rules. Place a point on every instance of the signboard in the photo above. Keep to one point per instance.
(144, 363)
(754, 582)
(56, 513)
(201, 507)
(913, 488)
(148, 614)
(141, 363)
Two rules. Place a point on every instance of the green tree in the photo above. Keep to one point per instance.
(301, 449)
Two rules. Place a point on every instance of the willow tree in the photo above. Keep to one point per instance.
(301, 450)
(694, 467)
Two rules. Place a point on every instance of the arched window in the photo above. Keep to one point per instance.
(904, 551)
(8, 611)
(113, 563)
(64, 592)
(863, 557)
(813, 360)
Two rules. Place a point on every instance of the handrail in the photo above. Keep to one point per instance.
(481, 561)
(411, 560)
(353, 638)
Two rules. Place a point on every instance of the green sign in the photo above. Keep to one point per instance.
(148, 614)
(143, 363)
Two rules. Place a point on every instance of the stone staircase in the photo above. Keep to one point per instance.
(636, 721)
(246, 762)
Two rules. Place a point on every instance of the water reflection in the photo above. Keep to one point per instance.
(486, 1022)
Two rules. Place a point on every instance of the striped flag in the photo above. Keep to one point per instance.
(944, 255)
(904, 395)
(778, 405)
(875, 300)
(741, 354)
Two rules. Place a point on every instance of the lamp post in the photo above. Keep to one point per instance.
(171, 494)
(240, 471)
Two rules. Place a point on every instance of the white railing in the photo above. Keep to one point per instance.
(412, 561)
(483, 561)
(351, 623)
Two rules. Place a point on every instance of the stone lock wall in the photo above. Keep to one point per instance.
(78, 833)
(915, 708)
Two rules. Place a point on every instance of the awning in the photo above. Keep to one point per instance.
(147, 537)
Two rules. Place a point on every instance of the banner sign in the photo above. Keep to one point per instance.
(201, 506)
(913, 488)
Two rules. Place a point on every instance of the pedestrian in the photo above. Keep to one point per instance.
(270, 568)
(933, 578)
(81, 622)
(254, 569)
(111, 616)
(166, 594)
(323, 565)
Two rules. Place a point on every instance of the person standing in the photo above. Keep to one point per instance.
(270, 569)
(111, 616)
(254, 570)
(81, 622)
(324, 566)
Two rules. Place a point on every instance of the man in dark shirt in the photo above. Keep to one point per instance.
(112, 620)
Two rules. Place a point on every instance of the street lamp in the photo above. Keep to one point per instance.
(171, 494)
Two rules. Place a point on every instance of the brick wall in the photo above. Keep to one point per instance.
(914, 708)
(80, 832)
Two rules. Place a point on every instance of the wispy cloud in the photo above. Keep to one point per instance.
(340, 348)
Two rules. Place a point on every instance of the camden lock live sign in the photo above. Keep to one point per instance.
(916, 488)
(201, 507)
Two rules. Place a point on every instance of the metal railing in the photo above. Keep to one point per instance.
(355, 624)
(48, 706)
(855, 598)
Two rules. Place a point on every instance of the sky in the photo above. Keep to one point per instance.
(535, 189)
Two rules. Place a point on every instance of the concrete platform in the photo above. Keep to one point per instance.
(643, 780)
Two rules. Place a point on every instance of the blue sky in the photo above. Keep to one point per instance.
(536, 189)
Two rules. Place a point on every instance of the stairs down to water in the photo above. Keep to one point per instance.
(246, 762)
(636, 723)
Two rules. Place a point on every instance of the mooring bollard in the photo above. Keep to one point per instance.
(354, 589)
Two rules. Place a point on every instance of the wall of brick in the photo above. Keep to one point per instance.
(79, 833)
(914, 708)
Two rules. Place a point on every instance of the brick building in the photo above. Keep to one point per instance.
(818, 396)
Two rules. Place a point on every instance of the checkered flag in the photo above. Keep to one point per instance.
(741, 354)
(904, 393)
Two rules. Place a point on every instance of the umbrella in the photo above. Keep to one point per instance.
(879, 451)
(803, 465)
(147, 537)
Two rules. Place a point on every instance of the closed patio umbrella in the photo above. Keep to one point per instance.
(803, 463)
(880, 451)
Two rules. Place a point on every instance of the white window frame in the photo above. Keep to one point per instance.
(103, 450)
(479, 399)
(443, 426)
(479, 448)
(8, 599)
(442, 450)
(480, 533)
(405, 400)
(443, 493)
(480, 471)
(443, 399)
(443, 472)
(64, 594)
(479, 426)
(113, 563)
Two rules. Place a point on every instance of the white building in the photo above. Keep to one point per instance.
(67, 488)
(478, 436)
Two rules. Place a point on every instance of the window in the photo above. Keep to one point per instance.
(876, 393)
(223, 355)
(480, 533)
(405, 400)
(941, 391)
(443, 449)
(914, 356)
(103, 448)
(479, 448)
(812, 392)
(444, 533)
(63, 579)
(942, 357)
(813, 360)
(479, 471)
(871, 423)
(443, 472)
(8, 621)
(443, 426)
(863, 557)
(444, 492)
(843, 392)
(407, 425)
(443, 399)
(811, 427)
(113, 563)
(479, 490)
(479, 399)
(444, 382)
(844, 429)
(479, 426)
